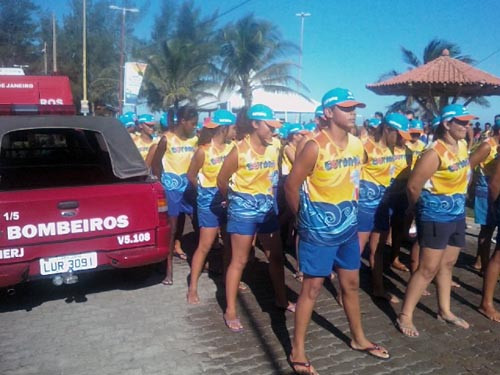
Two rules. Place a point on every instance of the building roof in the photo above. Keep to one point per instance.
(444, 75)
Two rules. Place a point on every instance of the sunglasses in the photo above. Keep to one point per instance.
(151, 126)
(463, 123)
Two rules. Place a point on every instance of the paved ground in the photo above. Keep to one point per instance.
(127, 323)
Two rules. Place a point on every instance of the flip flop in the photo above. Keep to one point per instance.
(308, 371)
(167, 282)
(372, 350)
(182, 256)
(290, 307)
(389, 297)
(402, 327)
(400, 267)
(234, 325)
(456, 321)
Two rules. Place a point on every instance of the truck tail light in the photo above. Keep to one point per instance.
(161, 202)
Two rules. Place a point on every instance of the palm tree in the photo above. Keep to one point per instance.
(179, 72)
(252, 52)
(432, 51)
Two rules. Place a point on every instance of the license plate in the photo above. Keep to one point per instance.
(63, 264)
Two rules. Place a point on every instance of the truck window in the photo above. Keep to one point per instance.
(53, 157)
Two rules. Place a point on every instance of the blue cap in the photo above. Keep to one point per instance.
(221, 117)
(399, 122)
(374, 122)
(497, 123)
(296, 128)
(319, 111)
(146, 118)
(416, 126)
(163, 119)
(341, 97)
(261, 112)
(126, 120)
(310, 127)
(435, 122)
(457, 111)
(131, 115)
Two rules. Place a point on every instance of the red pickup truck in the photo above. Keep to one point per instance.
(75, 196)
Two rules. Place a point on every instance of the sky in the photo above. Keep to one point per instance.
(352, 43)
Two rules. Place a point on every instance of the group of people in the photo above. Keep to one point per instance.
(342, 192)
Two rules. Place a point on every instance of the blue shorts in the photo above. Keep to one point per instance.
(248, 228)
(211, 219)
(374, 220)
(318, 261)
(436, 235)
(482, 213)
(180, 202)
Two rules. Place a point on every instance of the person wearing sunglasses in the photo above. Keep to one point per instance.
(437, 189)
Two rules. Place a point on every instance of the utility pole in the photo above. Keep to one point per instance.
(122, 46)
(84, 105)
(45, 57)
(54, 43)
(302, 15)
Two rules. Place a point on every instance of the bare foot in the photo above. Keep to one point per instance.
(426, 293)
(454, 284)
(192, 298)
(242, 286)
(168, 281)
(399, 266)
(490, 312)
(389, 297)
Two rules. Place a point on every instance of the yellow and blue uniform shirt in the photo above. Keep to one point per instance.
(142, 146)
(376, 175)
(252, 186)
(176, 160)
(443, 195)
(329, 199)
(286, 164)
(484, 171)
(416, 149)
(207, 176)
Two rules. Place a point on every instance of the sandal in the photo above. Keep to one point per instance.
(167, 281)
(375, 351)
(409, 330)
(180, 255)
(233, 324)
(456, 321)
(309, 369)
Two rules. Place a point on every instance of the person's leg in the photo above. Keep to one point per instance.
(169, 277)
(429, 262)
(241, 245)
(311, 287)
(349, 283)
(377, 245)
(363, 238)
(178, 236)
(399, 228)
(443, 284)
(483, 247)
(271, 244)
(207, 237)
(490, 280)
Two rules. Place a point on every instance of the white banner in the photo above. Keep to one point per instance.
(134, 72)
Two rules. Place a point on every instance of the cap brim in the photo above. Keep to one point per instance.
(465, 117)
(405, 135)
(351, 103)
(416, 131)
(210, 125)
(274, 123)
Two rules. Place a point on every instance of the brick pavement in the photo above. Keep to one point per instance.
(124, 322)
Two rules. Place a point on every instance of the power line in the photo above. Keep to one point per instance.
(232, 9)
(487, 57)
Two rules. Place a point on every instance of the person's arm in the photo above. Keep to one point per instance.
(228, 168)
(302, 168)
(479, 155)
(156, 164)
(425, 167)
(151, 154)
(195, 166)
(300, 145)
(494, 183)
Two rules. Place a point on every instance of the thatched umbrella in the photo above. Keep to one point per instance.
(433, 84)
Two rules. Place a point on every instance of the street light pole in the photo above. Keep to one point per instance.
(122, 43)
(302, 15)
